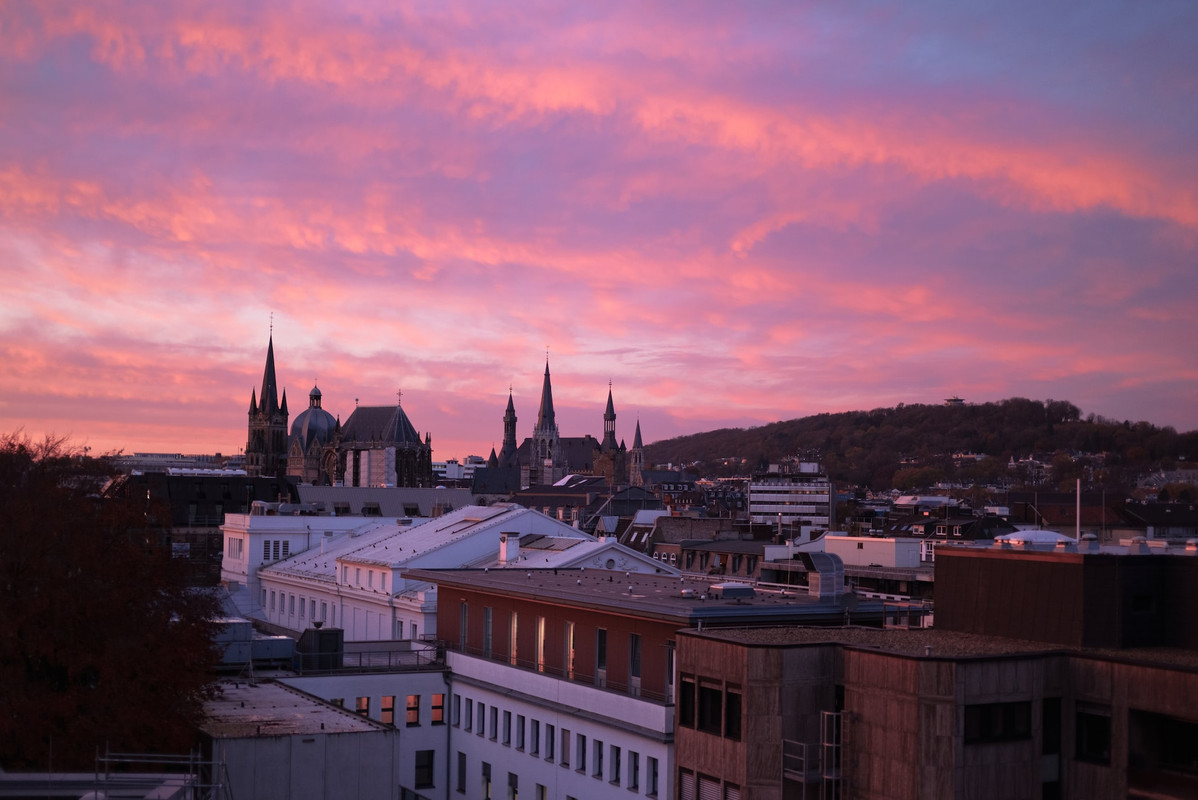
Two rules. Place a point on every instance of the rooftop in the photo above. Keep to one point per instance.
(685, 599)
(242, 709)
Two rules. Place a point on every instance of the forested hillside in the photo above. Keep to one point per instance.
(880, 448)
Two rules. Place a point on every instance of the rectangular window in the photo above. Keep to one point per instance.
(469, 715)
(634, 655)
(634, 770)
(463, 620)
(651, 776)
(998, 722)
(457, 710)
(513, 786)
(581, 753)
(363, 706)
(568, 655)
(519, 731)
(494, 723)
(686, 701)
(487, 631)
(301, 607)
(539, 645)
(486, 781)
(272, 599)
(357, 576)
(480, 724)
(413, 717)
(732, 708)
(286, 549)
(437, 715)
(424, 769)
(507, 727)
(274, 550)
(290, 605)
(710, 708)
(513, 629)
(461, 782)
(265, 550)
(312, 608)
(601, 649)
(550, 741)
(542, 793)
(1093, 734)
(264, 597)
(615, 765)
(387, 709)
(324, 610)
(565, 748)
(534, 737)
(597, 761)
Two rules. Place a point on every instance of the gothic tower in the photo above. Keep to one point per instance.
(507, 453)
(636, 459)
(266, 446)
(545, 462)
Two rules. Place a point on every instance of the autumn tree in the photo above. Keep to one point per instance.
(104, 644)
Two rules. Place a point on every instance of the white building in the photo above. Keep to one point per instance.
(348, 572)
(804, 496)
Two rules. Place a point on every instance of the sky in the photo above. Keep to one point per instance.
(729, 213)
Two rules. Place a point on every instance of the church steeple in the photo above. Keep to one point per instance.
(636, 460)
(266, 444)
(609, 424)
(545, 416)
(507, 450)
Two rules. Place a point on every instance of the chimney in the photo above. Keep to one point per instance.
(509, 548)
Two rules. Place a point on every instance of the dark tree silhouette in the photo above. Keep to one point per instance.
(103, 644)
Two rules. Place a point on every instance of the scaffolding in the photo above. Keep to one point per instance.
(165, 776)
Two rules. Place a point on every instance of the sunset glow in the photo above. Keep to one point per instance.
(735, 213)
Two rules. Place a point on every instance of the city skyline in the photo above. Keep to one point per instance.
(732, 217)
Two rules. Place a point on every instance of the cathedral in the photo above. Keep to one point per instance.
(377, 445)
(546, 457)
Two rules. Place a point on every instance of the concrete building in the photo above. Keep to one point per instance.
(793, 495)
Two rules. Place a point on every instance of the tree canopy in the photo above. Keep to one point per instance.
(104, 644)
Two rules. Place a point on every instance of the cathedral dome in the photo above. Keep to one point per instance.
(314, 423)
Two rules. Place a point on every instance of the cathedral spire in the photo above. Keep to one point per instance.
(507, 450)
(545, 417)
(270, 391)
(609, 424)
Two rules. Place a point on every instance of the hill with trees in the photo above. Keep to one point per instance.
(914, 445)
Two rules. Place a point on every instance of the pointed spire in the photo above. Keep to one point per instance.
(609, 423)
(270, 392)
(546, 417)
(283, 409)
(636, 440)
(493, 461)
(253, 401)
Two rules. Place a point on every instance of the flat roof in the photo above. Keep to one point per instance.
(944, 644)
(242, 709)
(644, 595)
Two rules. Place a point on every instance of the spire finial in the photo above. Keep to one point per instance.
(399, 397)
(272, 323)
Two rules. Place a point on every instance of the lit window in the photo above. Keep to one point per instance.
(413, 717)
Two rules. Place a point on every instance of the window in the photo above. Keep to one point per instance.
(710, 708)
(301, 608)
(486, 781)
(324, 610)
(312, 608)
(651, 776)
(424, 768)
(363, 706)
(634, 655)
(581, 751)
(461, 782)
(469, 714)
(480, 724)
(686, 702)
(494, 723)
(511, 642)
(539, 645)
(541, 792)
(437, 715)
(387, 709)
(457, 710)
(601, 649)
(732, 707)
(507, 727)
(597, 761)
(1093, 733)
(534, 737)
(357, 576)
(565, 748)
(550, 741)
(286, 549)
(513, 786)
(290, 605)
(463, 620)
(615, 765)
(568, 655)
(998, 722)
(413, 717)
(274, 550)
(487, 631)
(519, 731)
(265, 550)
(634, 770)
(264, 597)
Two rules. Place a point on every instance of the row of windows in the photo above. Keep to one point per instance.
(382, 576)
(710, 706)
(697, 786)
(412, 709)
(286, 604)
(621, 767)
(275, 549)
